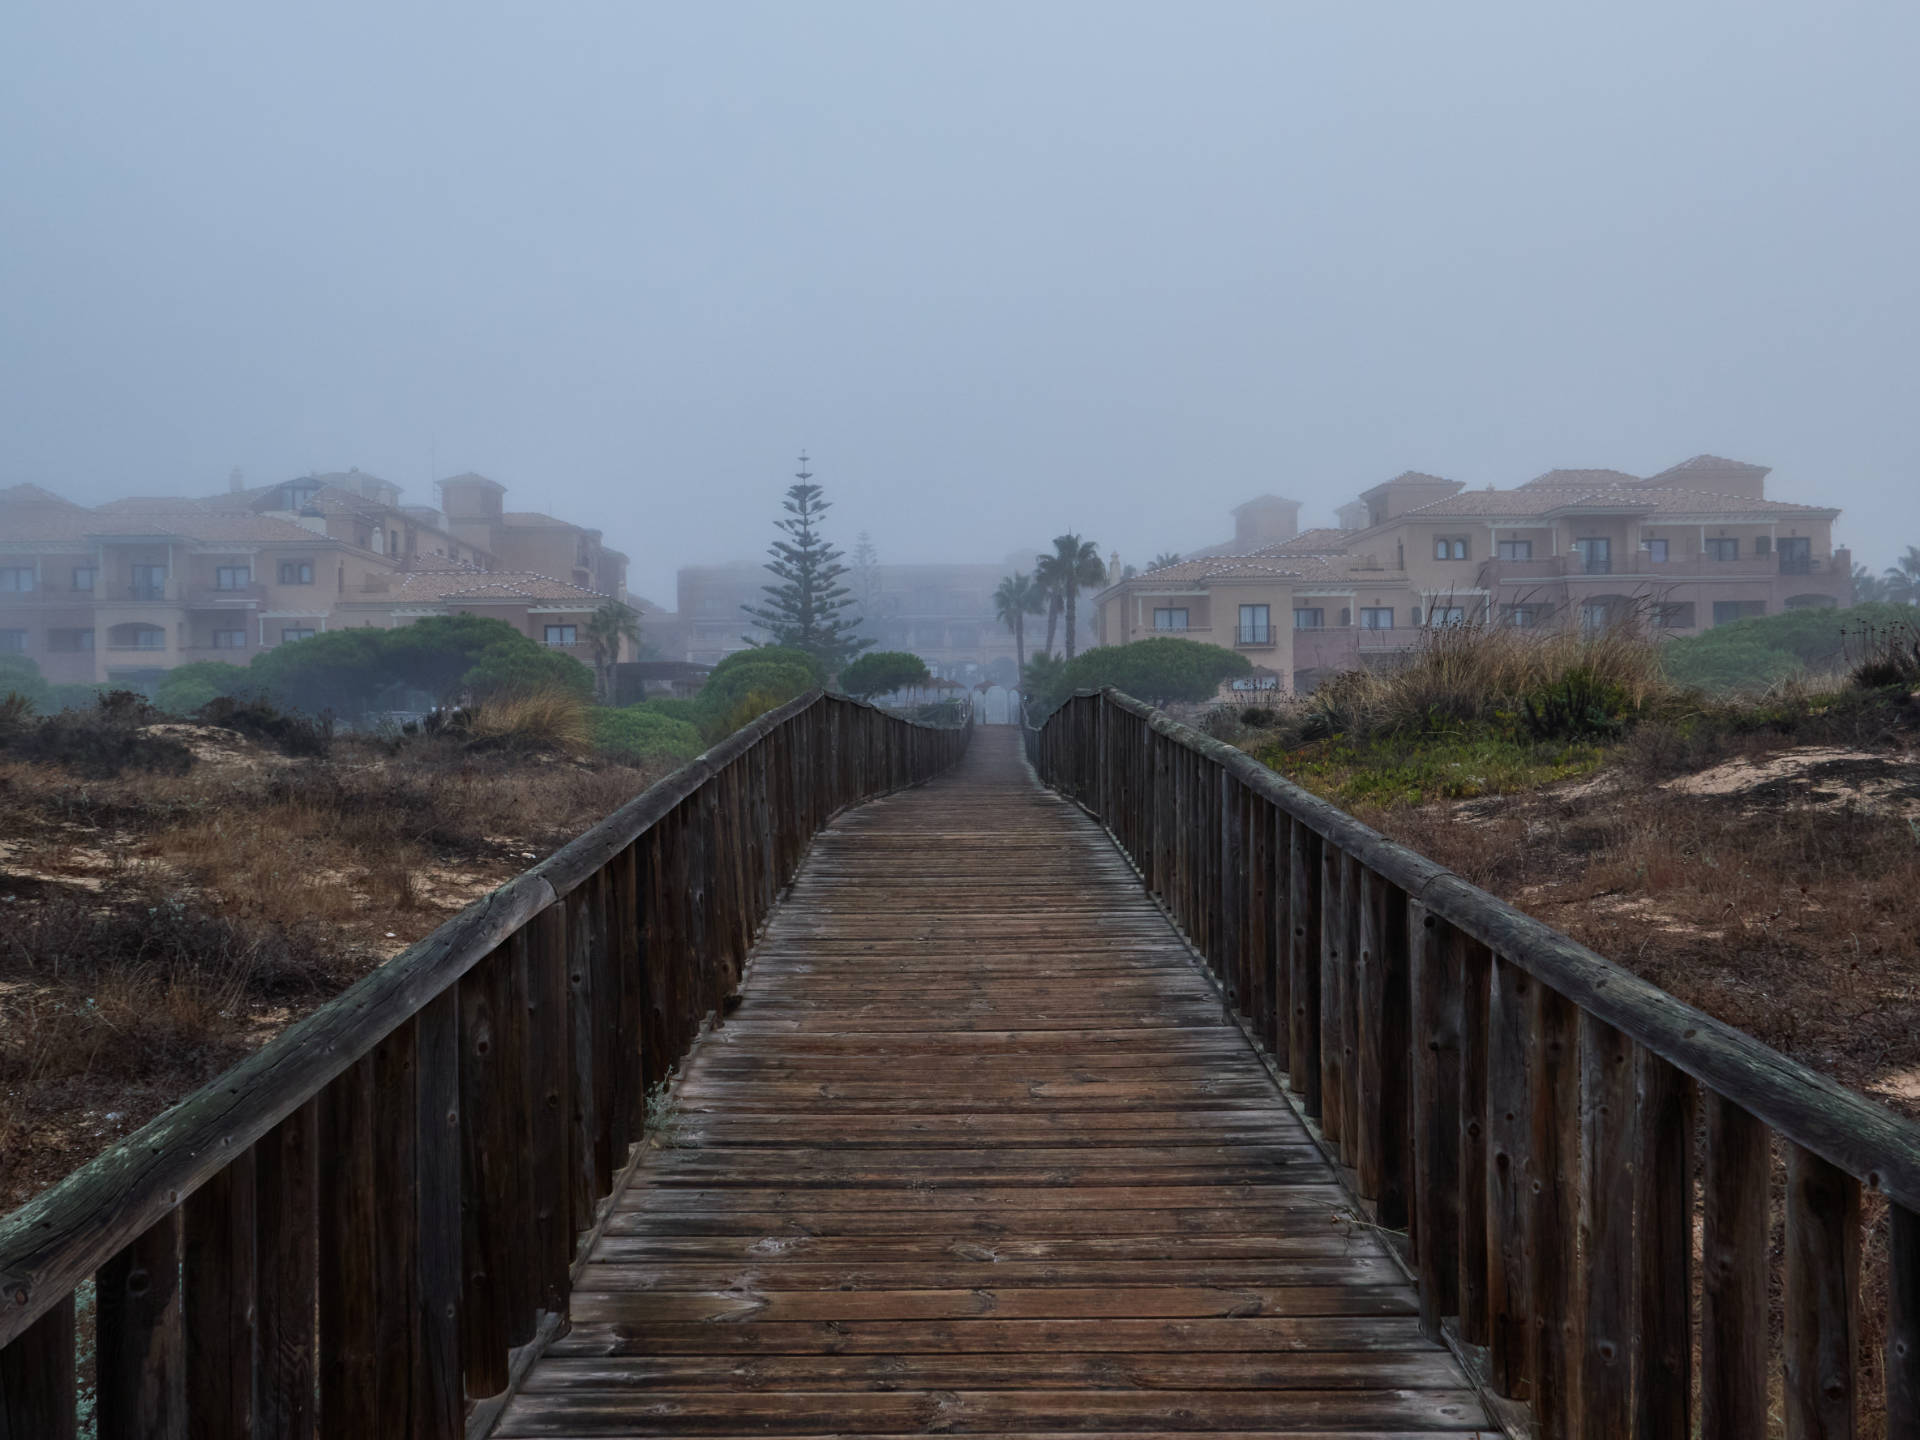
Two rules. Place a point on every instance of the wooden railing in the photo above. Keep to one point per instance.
(1532, 1116)
(351, 1232)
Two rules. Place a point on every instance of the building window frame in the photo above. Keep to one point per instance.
(1516, 550)
(291, 634)
(232, 577)
(1656, 549)
(1450, 547)
(1255, 625)
(18, 580)
(1722, 549)
(295, 572)
(230, 639)
(558, 635)
(85, 577)
(1309, 617)
(13, 642)
(1171, 618)
(1376, 617)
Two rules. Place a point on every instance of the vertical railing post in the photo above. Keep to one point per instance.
(1303, 965)
(348, 1386)
(1903, 1323)
(1510, 1169)
(286, 1269)
(1609, 1154)
(39, 1393)
(1663, 1225)
(439, 1396)
(1555, 1287)
(217, 1273)
(1822, 1298)
(1476, 978)
(1333, 998)
(1434, 977)
(1733, 1280)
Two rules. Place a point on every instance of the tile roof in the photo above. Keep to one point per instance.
(1582, 477)
(32, 496)
(430, 586)
(1701, 465)
(175, 519)
(1531, 501)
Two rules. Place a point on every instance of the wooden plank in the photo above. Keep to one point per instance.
(1303, 965)
(440, 1395)
(1609, 1163)
(486, 1244)
(1476, 980)
(139, 1349)
(396, 1297)
(286, 1261)
(549, 1080)
(1663, 1222)
(1554, 1285)
(1333, 1000)
(1733, 1277)
(1434, 976)
(349, 1392)
(1822, 1299)
(39, 1399)
(1903, 1324)
(218, 1281)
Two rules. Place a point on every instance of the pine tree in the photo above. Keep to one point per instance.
(806, 610)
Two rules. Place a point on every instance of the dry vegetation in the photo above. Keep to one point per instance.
(173, 895)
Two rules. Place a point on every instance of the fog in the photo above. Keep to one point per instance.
(1003, 269)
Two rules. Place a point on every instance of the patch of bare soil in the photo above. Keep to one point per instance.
(156, 925)
(1779, 891)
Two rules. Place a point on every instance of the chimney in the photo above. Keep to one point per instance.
(236, 482)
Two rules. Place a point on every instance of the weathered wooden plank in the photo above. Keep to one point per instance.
(1554, 1285)
(1903, 1324)
(1663, 1220)
(1609, 1165)
(1476, 981)
(486, 1158)
(1303, 965)
(218, 1281)
(139, 1350)
(1733, 1296)
(349, 1393)
(1434, 976)
(440, 1394)
(398, 1354)
(1822, 1299)
(39, 1396)
(286, 1266)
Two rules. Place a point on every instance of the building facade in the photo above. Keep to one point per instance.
(1697, 545)
(121, 592)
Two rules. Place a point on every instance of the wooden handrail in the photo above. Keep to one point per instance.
(480, 1090)
(1520, 1105)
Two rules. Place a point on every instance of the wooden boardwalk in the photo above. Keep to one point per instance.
(978, 1154)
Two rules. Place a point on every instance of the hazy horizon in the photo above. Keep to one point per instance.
(1003, 271)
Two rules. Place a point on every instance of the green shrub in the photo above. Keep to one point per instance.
(642, 735)
(1158, 671)
(73, 697)
(186, 689)
(508, 669)
(1766, 650)
(881, 672)
(737, 694)
(673, 707)
(20, 676)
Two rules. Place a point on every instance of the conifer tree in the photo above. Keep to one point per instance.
(807, 609)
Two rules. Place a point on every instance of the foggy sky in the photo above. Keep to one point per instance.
(1004, 269)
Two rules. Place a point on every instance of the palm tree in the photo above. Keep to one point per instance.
(1164, 559)
(1072, 567)
(1903, 578)
(1868, 588)
(607, 627)
(1015, 599)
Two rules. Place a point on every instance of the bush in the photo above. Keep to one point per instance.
(73, 697)
(508, 669)
(21, 676)
(1158, 671)
(1888, 655)
(98, 744)
(735, 695)
(641, 735)
(187, 689)
(1762, 652)
(672, 707)
(257, 720)
(881, 672)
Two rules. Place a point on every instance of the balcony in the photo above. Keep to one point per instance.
(1255, 637)
(221, 597)
(1690, 567)
(145, 590)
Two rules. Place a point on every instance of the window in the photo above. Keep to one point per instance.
(1516, 549)
(16, 580)
(13, 642)
(149, 582)
(1596, 556)
(291, 633)
(1256, 627)
(1169, 618)
(1672, 616)
(1447, 615)
(229, 639)
(1450, 548)
(1796, 556)
(149, 637)
(1656, 550)
(296, 572)
(1521, 617)
(1762, 544)
(83, 577)
(69, 642)
(232, 577)
(1723, 549)
(1725, 612)
(1309, 618)
(1376, 617)
(1595, 616)
(562, 634)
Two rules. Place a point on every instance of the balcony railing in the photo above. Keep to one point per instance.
(146, 590)
(1643, 564)
(1254, 635)
(223, 595)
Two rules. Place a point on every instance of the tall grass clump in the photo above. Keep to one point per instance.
(549, 719)
(1538, 684)
(1885, 655)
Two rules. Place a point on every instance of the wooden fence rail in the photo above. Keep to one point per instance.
(347, 1234)
(1526, 1110)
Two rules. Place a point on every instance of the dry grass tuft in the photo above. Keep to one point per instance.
(550, 720)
